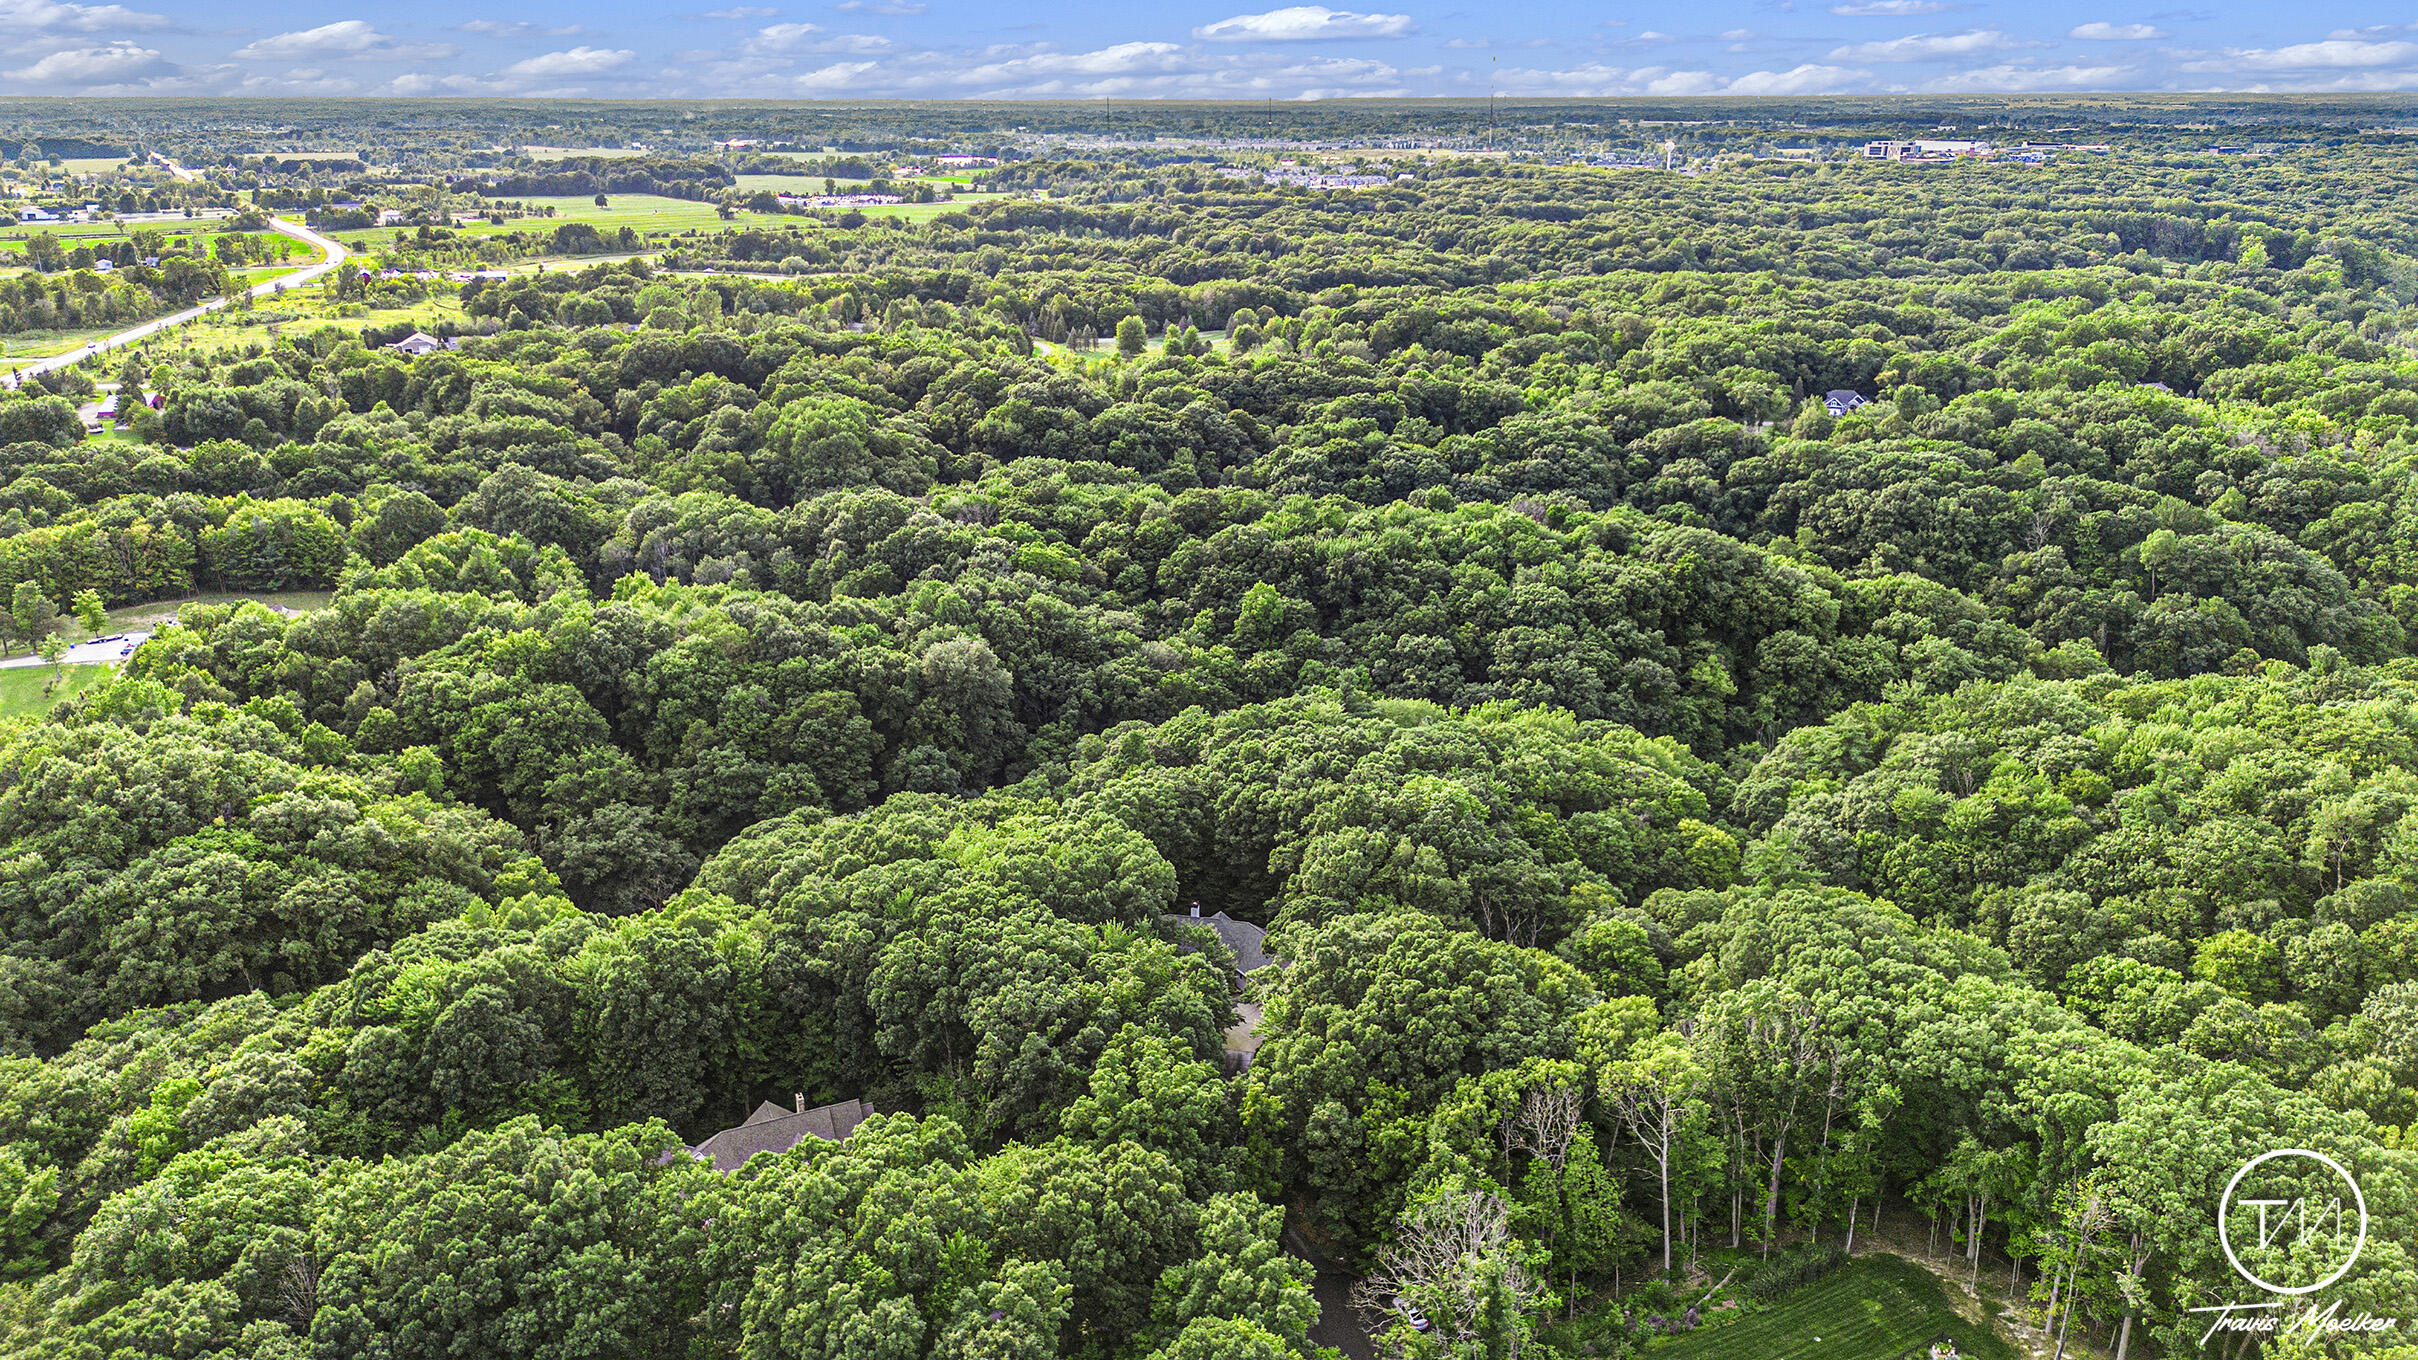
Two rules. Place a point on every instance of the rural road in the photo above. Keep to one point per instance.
(335, 253)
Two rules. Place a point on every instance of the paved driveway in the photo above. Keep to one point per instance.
(114, 648)
(1338, 1322)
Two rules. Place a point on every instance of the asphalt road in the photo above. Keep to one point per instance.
(335, 254)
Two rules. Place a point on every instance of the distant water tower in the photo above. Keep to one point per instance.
(1668, 146)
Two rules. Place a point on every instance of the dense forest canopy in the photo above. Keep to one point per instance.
(821, 662)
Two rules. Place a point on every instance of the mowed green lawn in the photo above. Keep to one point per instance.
(26, 691)
(1878, 1308)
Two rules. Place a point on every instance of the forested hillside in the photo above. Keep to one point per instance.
(1687, 818)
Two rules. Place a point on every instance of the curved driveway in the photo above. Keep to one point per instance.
(335, 254)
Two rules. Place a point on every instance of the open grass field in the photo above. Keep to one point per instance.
(646, 212)
(1877, 1308)
(640, 212)
(913, 212)
(792, 184)
(564, 153)
(68, 233)
(72, 234)
(43, 344)
(154, 613)
(28, 692)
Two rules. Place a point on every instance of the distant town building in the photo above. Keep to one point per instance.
(1841, 401)
(1306, 179)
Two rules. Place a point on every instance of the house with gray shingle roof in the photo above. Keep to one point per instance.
(1247, 942)
(773, 1129)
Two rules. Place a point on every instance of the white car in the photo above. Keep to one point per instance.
(1410, 1313)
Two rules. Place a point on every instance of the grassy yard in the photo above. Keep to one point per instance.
(154, 613)
(27, 691)
(1878, 1308)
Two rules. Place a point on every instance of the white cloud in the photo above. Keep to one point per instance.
(784, 37)
(2106, 32)
(514, 28)
(1304, 23)
(116, 64)
(838, 76)
(1807, 79)
(1738, 35)
(353, 38)
(738, 12)
(2334, 54)
(1929, 46)
(1105, 71)
(50, 16)
(881, 7)
(2006, 77)
(1893, 9)
(578, 61)
(1595, 80)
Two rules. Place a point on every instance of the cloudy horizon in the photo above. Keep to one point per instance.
(1085, 50)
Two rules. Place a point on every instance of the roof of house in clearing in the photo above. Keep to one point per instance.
(1247, 942)
(776, 1128)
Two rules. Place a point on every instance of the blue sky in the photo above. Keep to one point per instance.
(1189, 48)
